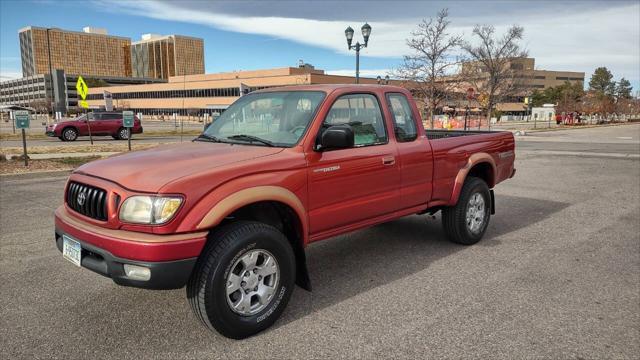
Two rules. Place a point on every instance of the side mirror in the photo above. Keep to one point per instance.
(337, 137)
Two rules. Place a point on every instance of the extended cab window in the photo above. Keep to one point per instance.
(362, 113)
(403, 121)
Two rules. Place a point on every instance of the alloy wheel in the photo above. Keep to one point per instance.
(252, 282)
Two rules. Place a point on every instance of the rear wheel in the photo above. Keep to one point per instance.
(466, 222)
(123, 133)
(69, 134)
(243, 279)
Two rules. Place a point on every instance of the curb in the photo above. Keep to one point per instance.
(61, 155)
(34, 175)
(580, 154)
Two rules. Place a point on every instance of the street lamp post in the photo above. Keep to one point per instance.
(348, 33)
(384, 81)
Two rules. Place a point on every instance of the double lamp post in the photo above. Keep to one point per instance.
(366, 31)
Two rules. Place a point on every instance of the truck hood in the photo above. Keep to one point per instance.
(149, 170)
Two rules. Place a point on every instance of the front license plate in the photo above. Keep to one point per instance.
(71, 250)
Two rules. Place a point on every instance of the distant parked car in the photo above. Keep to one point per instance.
(99, 123)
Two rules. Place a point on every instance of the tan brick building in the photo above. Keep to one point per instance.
(207, 93)
(89, 53)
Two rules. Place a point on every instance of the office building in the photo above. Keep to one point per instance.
(161, 57)
(57, 92)
(88, 53)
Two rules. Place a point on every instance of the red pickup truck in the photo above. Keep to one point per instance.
(98, 124)
(230, 214)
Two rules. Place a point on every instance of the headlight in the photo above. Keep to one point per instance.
(149, 209)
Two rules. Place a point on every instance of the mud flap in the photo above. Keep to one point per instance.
(493, 202)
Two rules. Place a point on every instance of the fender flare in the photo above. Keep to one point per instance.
(473, 160)
(251, 195)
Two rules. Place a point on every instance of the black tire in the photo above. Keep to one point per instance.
(123, 133)
(454, 218)
(69, 134)
(206, 289)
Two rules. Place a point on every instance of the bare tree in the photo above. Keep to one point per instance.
(41, 105)
(431, 60)
(493, 69)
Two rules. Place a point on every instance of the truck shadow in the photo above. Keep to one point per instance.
(340, 268)
(347, 265)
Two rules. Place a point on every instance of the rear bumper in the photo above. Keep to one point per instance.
(165, 275)
(170, 258)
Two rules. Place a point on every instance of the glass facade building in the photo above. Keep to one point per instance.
(161, 57)
(82, 53)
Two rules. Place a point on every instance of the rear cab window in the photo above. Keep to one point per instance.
(362, 113)
(404, 121)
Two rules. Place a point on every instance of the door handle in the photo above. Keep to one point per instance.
(388, 160)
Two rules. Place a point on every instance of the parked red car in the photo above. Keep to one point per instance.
(229, 215)
(99, 124)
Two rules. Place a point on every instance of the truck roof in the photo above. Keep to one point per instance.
(327, 88)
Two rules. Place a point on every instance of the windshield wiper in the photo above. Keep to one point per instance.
(251, 138)
(206, 137)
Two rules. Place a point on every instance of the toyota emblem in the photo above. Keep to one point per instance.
(81, 198)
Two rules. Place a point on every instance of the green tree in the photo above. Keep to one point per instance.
(623, 89)
(602, 82)
(565, 95)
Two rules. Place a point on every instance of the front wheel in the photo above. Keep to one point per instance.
(69, 134)
(466, 222)
(243, 279)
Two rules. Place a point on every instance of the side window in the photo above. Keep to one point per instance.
(107, 116)
(362, 113)
(403, 121)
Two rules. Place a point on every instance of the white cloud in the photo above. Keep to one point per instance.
(577, 39)
(6, 74)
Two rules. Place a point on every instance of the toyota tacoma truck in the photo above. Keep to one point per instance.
(229, 214)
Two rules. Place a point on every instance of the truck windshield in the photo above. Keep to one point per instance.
(266, 119)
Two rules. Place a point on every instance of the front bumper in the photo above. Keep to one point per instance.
(170, 258)
(51, 133)
(165, 275)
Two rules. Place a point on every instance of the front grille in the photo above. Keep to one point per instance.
(92, 204)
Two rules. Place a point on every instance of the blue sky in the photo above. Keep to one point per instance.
(243, 35)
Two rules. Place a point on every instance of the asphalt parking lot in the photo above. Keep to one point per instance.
(556, 276)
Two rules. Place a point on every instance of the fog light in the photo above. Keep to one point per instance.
(136, 272)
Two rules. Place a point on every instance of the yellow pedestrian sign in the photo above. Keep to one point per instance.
(82, 88)
(83, 104)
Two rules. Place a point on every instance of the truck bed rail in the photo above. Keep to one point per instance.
(433, 134)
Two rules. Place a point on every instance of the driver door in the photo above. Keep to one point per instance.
(354, 185)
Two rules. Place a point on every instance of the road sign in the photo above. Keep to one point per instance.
(82, 88)
(22, 119)
(127, 119)
(83, 104)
